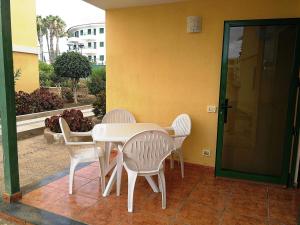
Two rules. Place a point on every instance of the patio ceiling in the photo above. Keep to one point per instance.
(113, 4)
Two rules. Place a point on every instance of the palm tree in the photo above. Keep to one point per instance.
(59, 33)
(41, 31)
(50, 24)
(56, 29)
(45, 21)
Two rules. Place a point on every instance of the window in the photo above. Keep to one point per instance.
(89, 44)
(95, 45)
(81, 32)
(95, 58)
(102, 58)
(76, 34)
(101, 44)
(90, 58)
(95, 31)
(101, 30)
(89, 31)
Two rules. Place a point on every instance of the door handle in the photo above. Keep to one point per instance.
(225, 108)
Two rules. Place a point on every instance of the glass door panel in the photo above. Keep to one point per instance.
(254, 110)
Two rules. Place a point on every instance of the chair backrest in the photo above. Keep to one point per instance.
(118, 116)
(145, 151)
(65, 129)
(182, 126)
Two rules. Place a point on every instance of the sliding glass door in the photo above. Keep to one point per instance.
(257, 99)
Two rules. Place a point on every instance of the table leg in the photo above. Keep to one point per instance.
(152, 184)
(107, 150)
(111, 182)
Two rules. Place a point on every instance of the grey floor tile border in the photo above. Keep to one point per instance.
(28, 188)
(35, 215)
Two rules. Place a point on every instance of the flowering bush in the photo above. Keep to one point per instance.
(23, 103)
(38, 101)
(46, 101)
(75, 120)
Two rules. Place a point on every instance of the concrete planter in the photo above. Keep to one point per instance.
(57, 138)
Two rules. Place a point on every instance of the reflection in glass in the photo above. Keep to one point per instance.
(260, 61)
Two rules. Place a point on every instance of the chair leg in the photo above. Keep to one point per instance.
(119, 172)
(73, 165)
(162, 186)
(152, 184)
(102, 172)
(131, 183)
(171, 161)
(179, 151)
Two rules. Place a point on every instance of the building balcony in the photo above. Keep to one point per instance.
(89, 51)
(74, 40)
(89, 37)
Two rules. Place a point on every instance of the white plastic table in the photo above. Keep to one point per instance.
(120, 133)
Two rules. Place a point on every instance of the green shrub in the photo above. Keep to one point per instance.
(68, 94)
(100, 105)
(97, 81)
(17, 75)
(47, 76)
(74, 119)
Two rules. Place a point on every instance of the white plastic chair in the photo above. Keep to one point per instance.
(143, 155)
(81, 152)
(118, 116)
(181, 126)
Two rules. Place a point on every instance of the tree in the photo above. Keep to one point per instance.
(55, 29)
(41, 31)
(59, 33)
(74, 66)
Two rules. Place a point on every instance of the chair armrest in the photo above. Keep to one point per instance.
(179, 136)
(168, 128)
(120, 148)
(81, 134)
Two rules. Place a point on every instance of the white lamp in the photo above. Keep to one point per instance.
(194, 24)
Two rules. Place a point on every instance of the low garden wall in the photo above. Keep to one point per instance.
(81, 91)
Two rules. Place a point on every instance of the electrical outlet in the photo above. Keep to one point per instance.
(211, 109)
(206, 152)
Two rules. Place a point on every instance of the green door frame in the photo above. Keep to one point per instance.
(296, 138)
(291, 108)
(7, 107)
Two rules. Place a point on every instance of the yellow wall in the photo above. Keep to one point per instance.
(28, 63)
(157, 70)
(23, 19)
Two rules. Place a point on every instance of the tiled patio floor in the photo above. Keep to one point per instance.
(197, 199)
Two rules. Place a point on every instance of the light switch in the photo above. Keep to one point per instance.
(211, 109)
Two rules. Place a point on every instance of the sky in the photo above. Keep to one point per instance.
(235, 45)
(73, 12)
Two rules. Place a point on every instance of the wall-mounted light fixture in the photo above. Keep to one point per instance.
(194, 24)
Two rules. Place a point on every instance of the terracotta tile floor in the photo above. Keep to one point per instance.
(197, 199)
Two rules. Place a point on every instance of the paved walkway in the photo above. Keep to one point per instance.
(37, 160)
(5, 222)
(198, 199)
